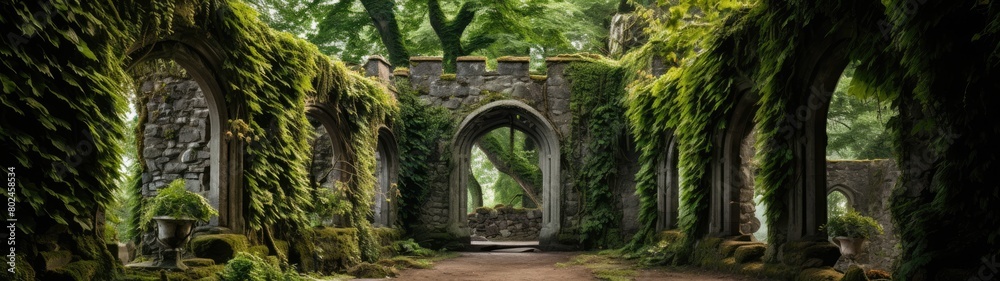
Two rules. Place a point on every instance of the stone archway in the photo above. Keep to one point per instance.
(200, 62)
(667, 187)
(387, 170)
(324, 116)
(520, 116)
(730, 182)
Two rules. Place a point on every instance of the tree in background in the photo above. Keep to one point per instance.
(353, 29)
(857, 122)
(505, 163)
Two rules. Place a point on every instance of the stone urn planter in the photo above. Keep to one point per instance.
(172, 234)
(175, 210)
(849, 247)
(850, 231)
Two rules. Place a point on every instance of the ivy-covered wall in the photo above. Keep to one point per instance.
(581, 97)
(932, 59)
(64, 64)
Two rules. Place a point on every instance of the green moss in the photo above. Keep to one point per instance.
(405, 262)
(326, 250)
(202, 272)
(411, 248)
(196, 262)
(387, 235)
(854, 273)
(540, 78)
(57, 259)
(819, 274)
(79, 271)
(598, 88)
(282, 247)
(513, 59)
(749, 253)
(727, 248)
(448, 77)
(219, 247)
(259, 250)
(367, 270)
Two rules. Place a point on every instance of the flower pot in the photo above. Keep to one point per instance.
(849, 247)
(172, 234)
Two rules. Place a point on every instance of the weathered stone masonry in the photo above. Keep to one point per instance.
(176, 136)
(505, 223)
(549, 95)
(868, 186)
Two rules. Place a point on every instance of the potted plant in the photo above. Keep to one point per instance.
(175, 209)
(850, 231)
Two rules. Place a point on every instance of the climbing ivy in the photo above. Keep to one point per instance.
(763, 44)
(598, 124)
(418, 130)
(62, 72)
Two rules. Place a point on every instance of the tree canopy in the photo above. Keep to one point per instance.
(397, 29)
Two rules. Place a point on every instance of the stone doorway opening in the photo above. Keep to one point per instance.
(174, 135)
(509, 116)
(325, 169)
(504, 188)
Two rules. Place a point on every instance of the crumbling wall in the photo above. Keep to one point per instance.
(868, 185)
(176, 136)
(505, 223)
(474, 85)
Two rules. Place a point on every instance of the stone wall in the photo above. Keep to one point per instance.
(176, 136)
(470, 87)
(321, 171)
(868, 185)
(749, 223)
(505, 223)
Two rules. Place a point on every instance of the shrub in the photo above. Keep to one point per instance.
(854, 225)
(176, 201)
(249, 267)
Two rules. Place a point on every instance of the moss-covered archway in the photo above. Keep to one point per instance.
(199, 57)
(387, 172)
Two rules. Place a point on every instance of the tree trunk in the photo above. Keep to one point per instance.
(505, 165)
(384, 19)
(450, 31)
(475, 192)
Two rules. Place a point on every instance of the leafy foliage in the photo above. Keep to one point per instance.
(857, 123)
(904, 58)
(599, 125)
(854, 225)
(176, 201)
(418, 129)
(73, 105)
(519, 172)
(249, 267)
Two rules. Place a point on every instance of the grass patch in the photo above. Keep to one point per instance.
(403, 262)
(605, 265)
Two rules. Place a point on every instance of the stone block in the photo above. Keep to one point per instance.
(513, 66)
(219, 247)
(749, 253)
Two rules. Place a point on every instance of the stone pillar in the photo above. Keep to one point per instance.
(379, 68)
(470, 66)
(424, 71)
(558, 92)
(516, 67)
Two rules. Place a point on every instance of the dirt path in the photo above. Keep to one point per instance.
(490, 266)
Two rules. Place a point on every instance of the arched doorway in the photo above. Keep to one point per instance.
(386, 171)
(520, 116)
(668, 187)
(199, 125)
(736, 208)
